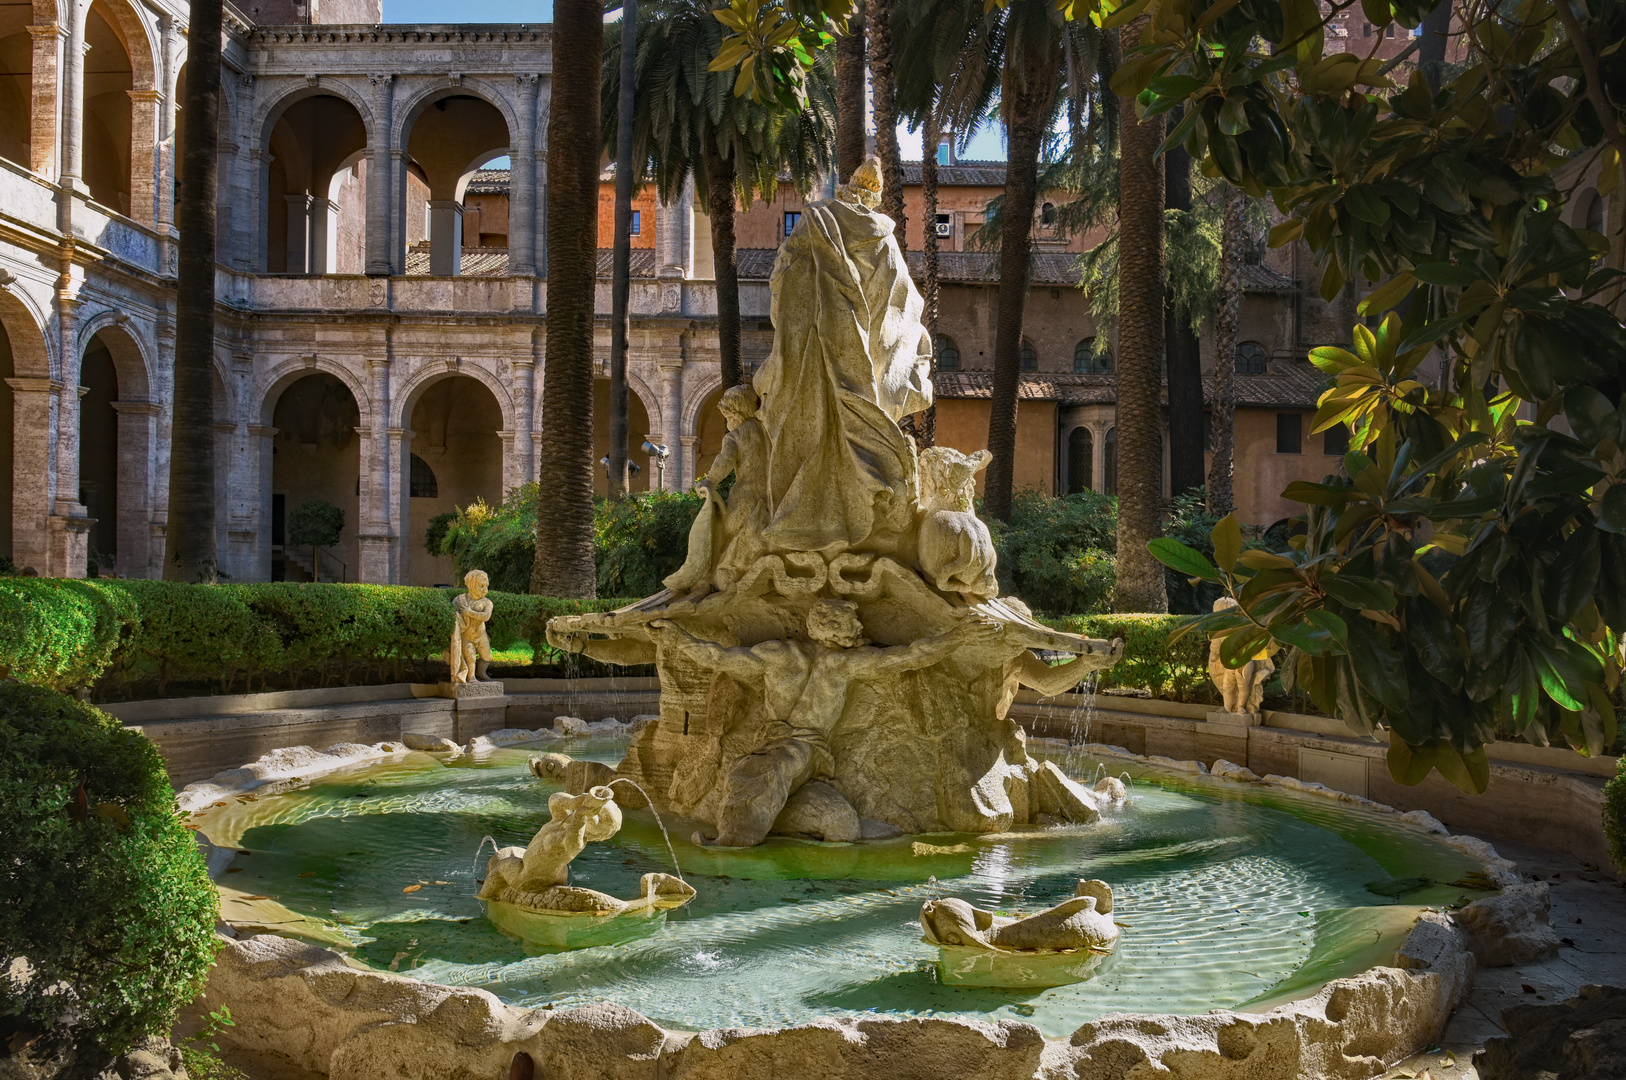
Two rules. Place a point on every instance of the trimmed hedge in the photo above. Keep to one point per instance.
(1614, 814)
(125, 636)
(1177, 672)
(102, 889)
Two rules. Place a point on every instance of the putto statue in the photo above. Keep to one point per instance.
(1242, 690)
(471, 645)
(835, 659)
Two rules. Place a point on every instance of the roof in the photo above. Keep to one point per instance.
(1290, 384)
(489, 182)
(960, 174)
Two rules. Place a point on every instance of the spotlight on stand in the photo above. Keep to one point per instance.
(660, 453)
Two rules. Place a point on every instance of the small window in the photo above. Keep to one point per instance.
(1366, 29)
(945, 152)
(1080, 460)
(1391, 31)
(1336, 440)
(422, 484)
(793, 218)
(1047, 214)
(1027, 359)
(1110, 447)
(948, 354)
(1086, 361)
(1250, 358)
(637, 225)
(1289, 433)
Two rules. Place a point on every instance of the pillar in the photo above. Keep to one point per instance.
(397, 184)
(522, 183)
(324, 249)
(400, 454)
(262, 445)
(146, 169)
(44, 112)
(299, 232)
(523, 445)
(685, 465)
(376, 540)
(381, 191)
(671, 423)
(137, 423)
(72, 95)
(33, 417)
(445, 237)
(674, 234)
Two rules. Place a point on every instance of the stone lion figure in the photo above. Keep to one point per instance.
(1241, 689)
(956, 549)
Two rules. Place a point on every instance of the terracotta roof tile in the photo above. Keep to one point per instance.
(1288, 385)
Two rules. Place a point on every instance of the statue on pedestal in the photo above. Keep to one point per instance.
(471, 645)
(1242, 690)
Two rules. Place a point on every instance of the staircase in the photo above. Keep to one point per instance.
(301, 557)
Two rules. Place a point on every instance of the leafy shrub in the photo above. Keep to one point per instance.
(102, 890)
(315, 523)
(1059, 554)
(434, 537)
(1614, 814)
(1177, 672)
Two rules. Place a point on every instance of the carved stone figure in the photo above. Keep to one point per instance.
(1083, 922)
(725, 540)
(804, 687)
(471, 646)
(956, 549)
(1242, 690)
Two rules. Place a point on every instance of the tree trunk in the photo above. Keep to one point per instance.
(1431, 44)
(1140, 356)
(850, 97)
(1223, 431)
(886, 116)
(564, 523)
(928, 190)
(1184, 352)
(621, 261)
(1031, 95)
(720, 203)
(190, 536)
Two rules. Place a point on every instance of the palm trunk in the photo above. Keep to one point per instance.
(1028, 105)
(1184, 352)
(886, 116)
(720, 202)
(1435, 32)
(1220, 498)
(190, 538)
(1140, 356)
(850, 97)
(621, 262)
(928, 191)
(564, 526)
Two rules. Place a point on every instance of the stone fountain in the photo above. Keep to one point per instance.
(834, 656)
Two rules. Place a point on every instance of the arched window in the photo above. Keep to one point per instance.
(948, 354)
(1027, 359)
(1111, 448)
(1086, 361)
(1080, 461)
(1250, 358)
(1047, 214)
(422, 484)
(1594, 213)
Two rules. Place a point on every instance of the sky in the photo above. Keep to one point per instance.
(987, 144)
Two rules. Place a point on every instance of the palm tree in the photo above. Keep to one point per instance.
(879, 24)
(1185, 366)
(564, 529)
(850, 97)
(688, 123)
(1220, 499)
(621, 263)
(190, 541)
(1140, 356)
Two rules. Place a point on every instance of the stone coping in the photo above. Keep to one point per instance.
(320, 1011)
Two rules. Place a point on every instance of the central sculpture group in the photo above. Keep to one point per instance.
(835, 660)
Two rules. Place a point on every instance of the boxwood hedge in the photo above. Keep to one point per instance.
(1177, 672)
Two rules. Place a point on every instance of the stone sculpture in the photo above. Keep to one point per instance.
(471, 646)
(835, 660)
(527, 889)
(1083, 922)
(956, 549)
(1242, 690)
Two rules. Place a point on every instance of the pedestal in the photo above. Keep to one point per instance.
(482, 707)
(1235, 719)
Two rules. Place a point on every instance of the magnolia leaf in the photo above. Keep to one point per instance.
(1387, 295)
(1182, 559)
(1409, 765)
(1227, 537)
(1285, 233)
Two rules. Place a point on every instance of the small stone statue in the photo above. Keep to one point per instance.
(726, 539)
(1242, 690)
(1084, 922)
(471, 645)
(956, 549)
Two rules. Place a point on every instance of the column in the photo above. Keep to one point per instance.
(32, 420)
(260, 168)
(445, 237)
(137, 422)
(671, 422)
(73, 97)
(380, 178)
(522, 450)
(299, 232)
(262, 438)
(376, 539)
(400, 452)
(511, 465)
(66, 434)
(164, 174)
(685, 465)
(44, 112)
(397, 186)
(146, 170)
(324, 250)
(522, 183)
(674, 234)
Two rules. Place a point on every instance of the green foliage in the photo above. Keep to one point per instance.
(1614, 813)
(200, 1053)
(102, 890)
(1171, 668)
(1057, 555)
(434, 536)
(501, 540)
(315, 523)
(641, 539)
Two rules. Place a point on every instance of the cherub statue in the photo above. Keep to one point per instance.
(726, 539)
(804, 688)
(471, 646)
(956, 549)
(1242, 690)
(1083, 922)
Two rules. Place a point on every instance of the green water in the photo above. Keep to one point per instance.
(1231, 894)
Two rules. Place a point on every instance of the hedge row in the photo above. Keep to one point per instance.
(126, 638)
(1177, 672)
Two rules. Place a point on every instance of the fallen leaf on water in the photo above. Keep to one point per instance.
(256, 898)
(443, 883)
(217, 804)
(234, 869)
(412, 888)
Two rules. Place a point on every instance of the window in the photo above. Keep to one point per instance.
(1391, 31)
(945, 152)
(421, 484)
(1080, 461)
(637, 223)
(1027, 359)
(1336, 440)
(948, 354)
(1110, 447)
(1366, 29)
(1289, 433)
(1047, 214)
(1086, 361)
(1250, 358)
(792, 219)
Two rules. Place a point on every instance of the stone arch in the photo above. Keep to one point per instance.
(130, 351)
(446, 130)
(283, 375)
(694, 399)
(24, 494)
(457, 420)
(271, 109)
(307, 144)
(429, 93)
(412, 390)
(116, 440)
(651, 400)
(31, 353)
(315, 454)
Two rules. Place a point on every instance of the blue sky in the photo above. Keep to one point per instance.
(987, 144)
